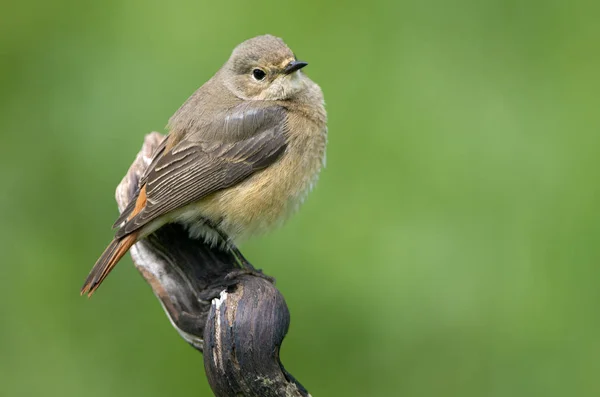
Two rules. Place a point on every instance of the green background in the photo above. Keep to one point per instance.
(451, 247)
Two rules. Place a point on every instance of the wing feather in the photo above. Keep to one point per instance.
(196, 168)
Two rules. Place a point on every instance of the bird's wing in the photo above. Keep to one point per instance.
(155, 157)
(195, 168)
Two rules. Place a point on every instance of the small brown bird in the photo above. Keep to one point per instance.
(241, 155)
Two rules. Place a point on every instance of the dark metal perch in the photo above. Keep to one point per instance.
(235, 317)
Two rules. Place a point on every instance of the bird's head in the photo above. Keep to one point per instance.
(264, 68)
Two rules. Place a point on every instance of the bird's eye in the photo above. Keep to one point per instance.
(259, 74)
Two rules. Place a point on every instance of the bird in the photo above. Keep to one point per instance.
(240, 156)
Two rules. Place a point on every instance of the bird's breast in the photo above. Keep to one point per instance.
(267, 198)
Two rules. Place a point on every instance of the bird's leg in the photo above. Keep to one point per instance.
(244, 263)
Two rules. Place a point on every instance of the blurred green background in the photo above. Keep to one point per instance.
(451, 247)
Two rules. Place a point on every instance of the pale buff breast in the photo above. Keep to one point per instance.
(266, 199)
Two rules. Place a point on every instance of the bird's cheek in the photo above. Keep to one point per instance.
(275, 91)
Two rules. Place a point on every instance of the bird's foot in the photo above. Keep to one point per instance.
(249, 272)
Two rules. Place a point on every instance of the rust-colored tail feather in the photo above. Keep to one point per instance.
(111, 255)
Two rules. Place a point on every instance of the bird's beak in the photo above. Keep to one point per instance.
(293, 66)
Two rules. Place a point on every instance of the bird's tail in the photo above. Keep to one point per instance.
(111, 255)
